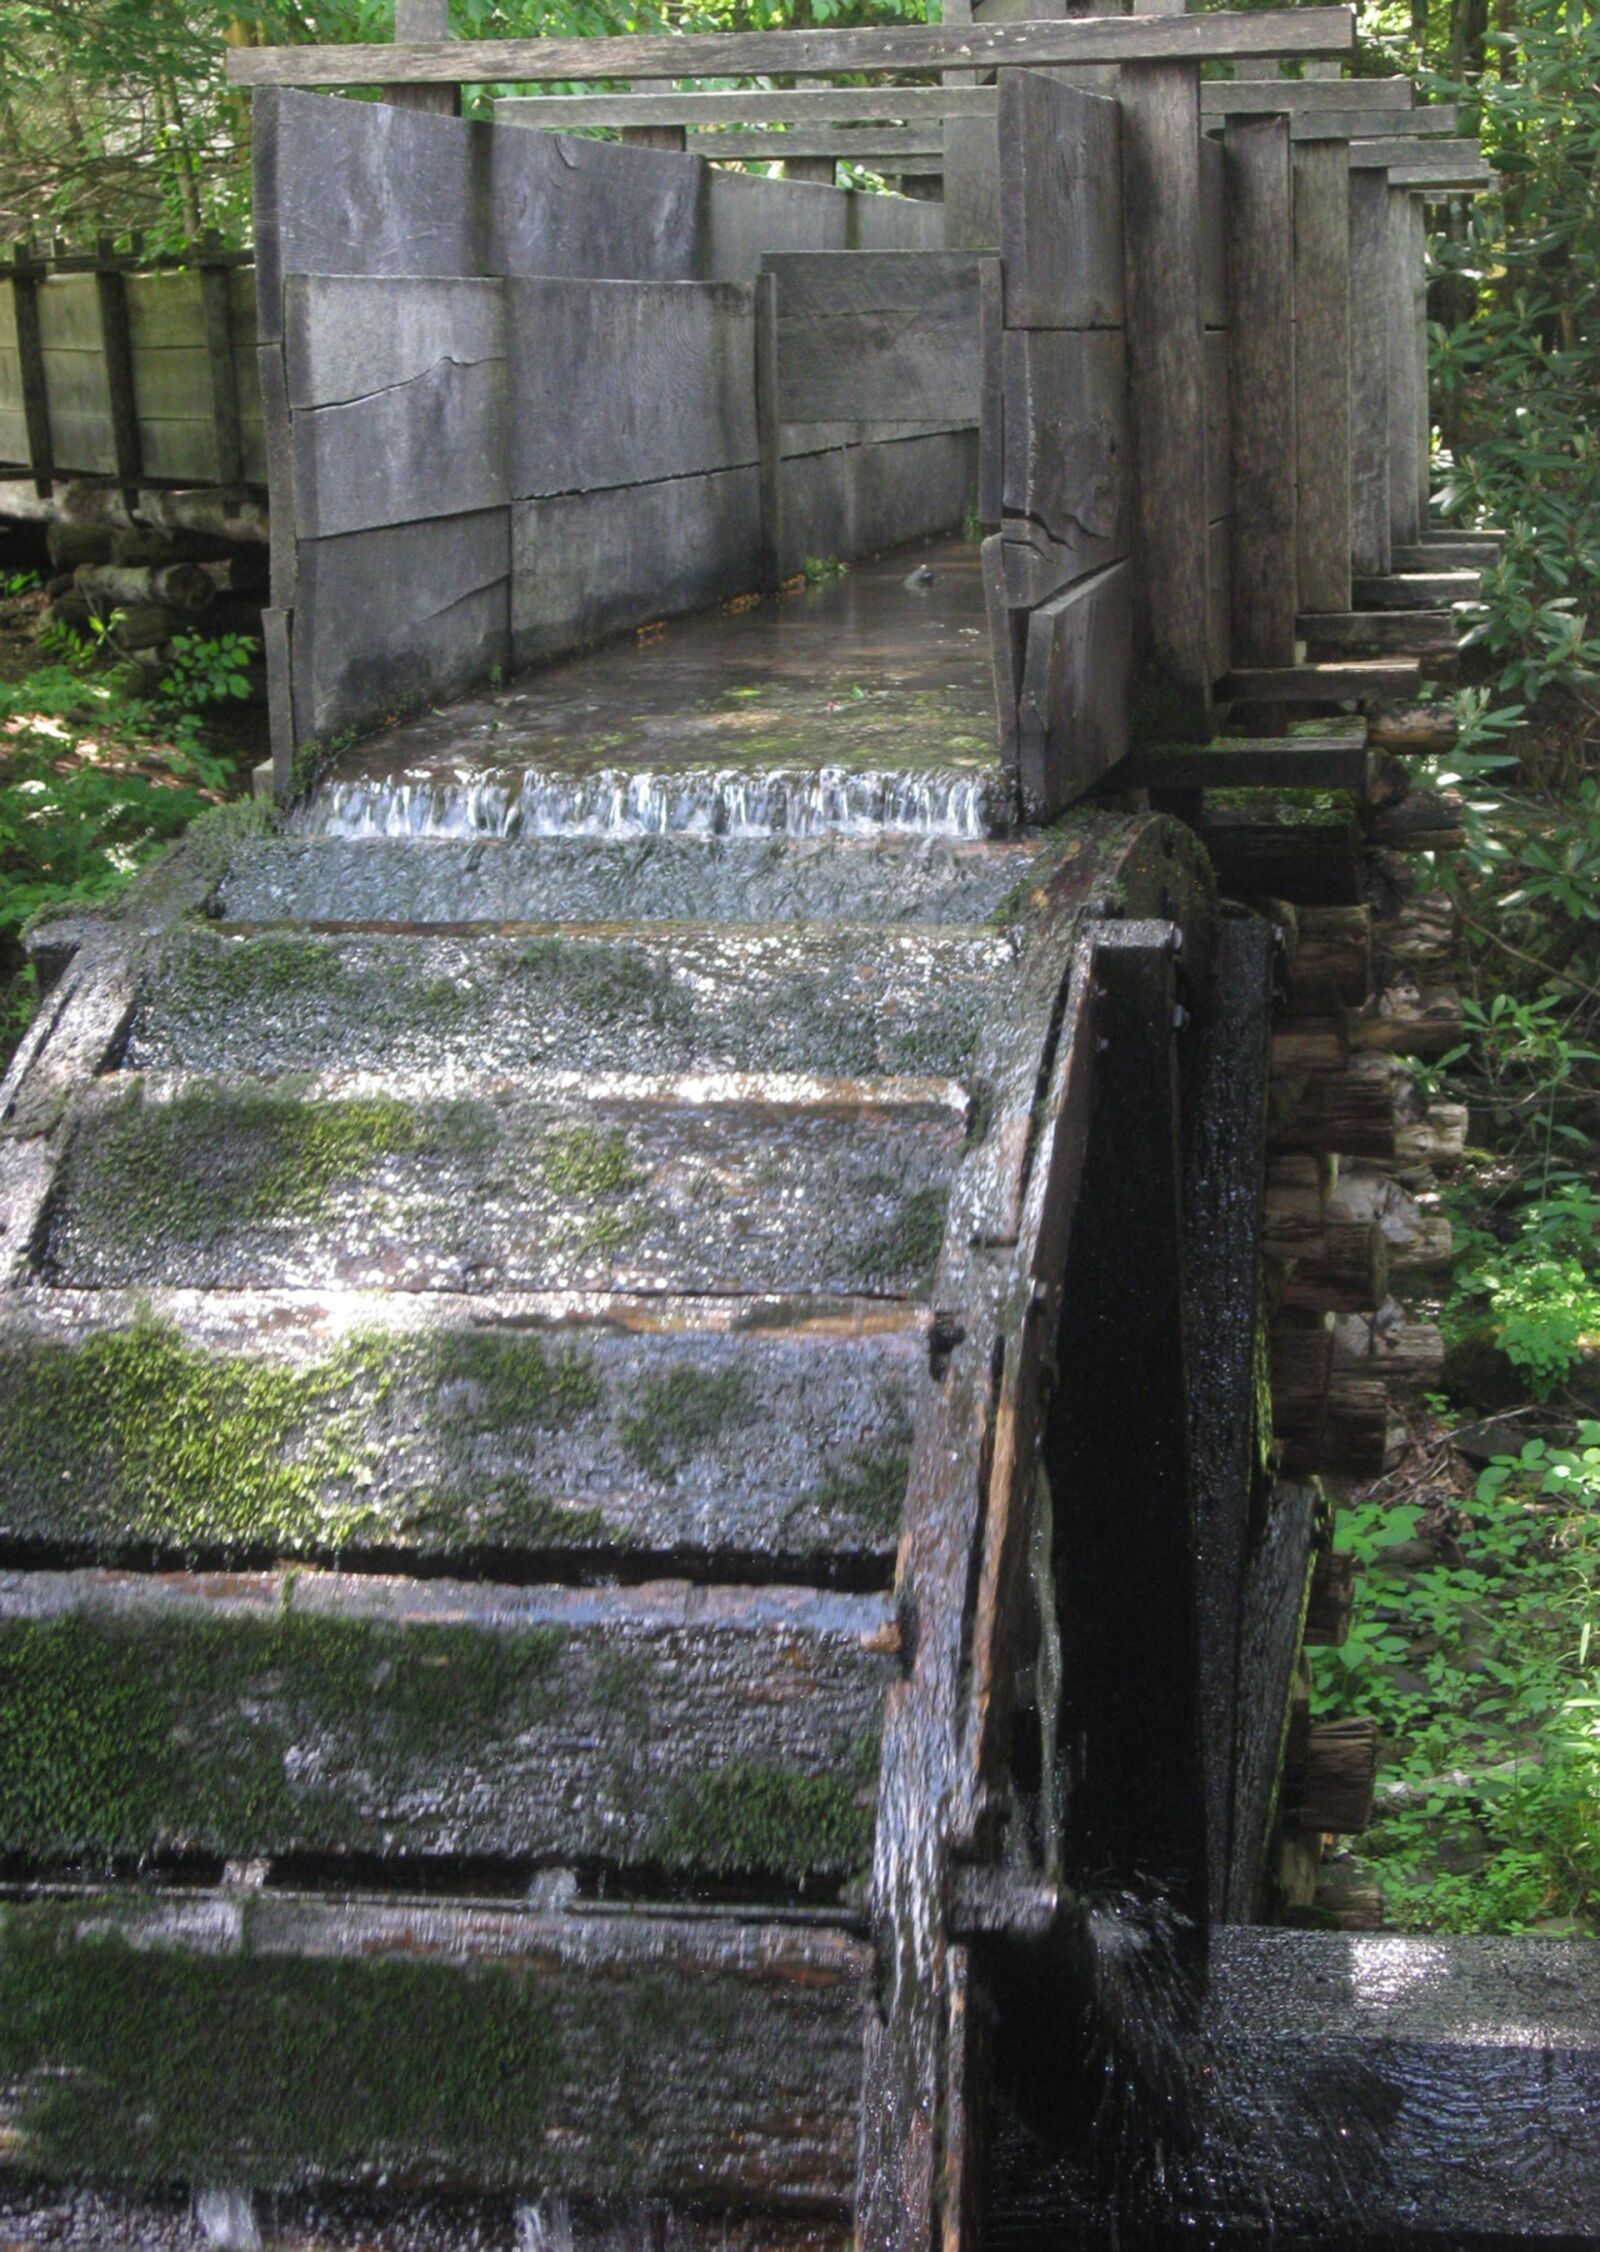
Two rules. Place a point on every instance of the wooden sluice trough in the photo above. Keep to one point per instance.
(650, 1595)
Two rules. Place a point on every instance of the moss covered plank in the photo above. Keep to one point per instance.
(697, 1731)
(485, 881)
(833, 1187)
(288, 2042)
(845, 1003)
(210, 1428)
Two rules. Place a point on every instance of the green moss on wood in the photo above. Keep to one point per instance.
(748, 1819)
(682, 1413)
(909, 1246)
(136, 1437)
(153, 2065)
(122, 1733)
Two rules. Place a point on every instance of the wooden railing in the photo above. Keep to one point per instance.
(135, 368)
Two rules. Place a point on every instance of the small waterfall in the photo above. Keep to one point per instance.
(690, 802)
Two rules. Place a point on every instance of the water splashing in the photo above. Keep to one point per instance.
(691, 802)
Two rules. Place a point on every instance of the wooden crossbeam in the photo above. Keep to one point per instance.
(908, 47)
(1322, 684)
(750, 105)
(1219, 98)
(1429, 157)
(1290, 762)
(849, 145)
(1408, 126)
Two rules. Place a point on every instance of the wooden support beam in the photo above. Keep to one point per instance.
(1161, 194)
(1261, 389)
(1407, 633)
(116, 356)
(849, 144)
(768, 433)
(1293, 762)
(1331, 1598)
(1334, 683)
(1403, 284)
(416, 20)
(1322, 374)
(1316, 863)
(1369, 373)
(905, 47)
(1242, 97)
(1445, 159)
(816, 106)
(1366, 125)
(25, 273)
(1416, 590)
(216, 302)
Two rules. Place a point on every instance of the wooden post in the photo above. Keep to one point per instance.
(423, 20)
(769, 433)
(1322, 373)
(1166, 386)
(1400, 306)
(673, 138)
(1261, 389)
(1419, 286)
(116, 341)
(227, 433)
(820, 170)
(1369, 374)
(25, 271)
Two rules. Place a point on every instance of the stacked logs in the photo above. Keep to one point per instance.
(143, 587)
(1351, 1222)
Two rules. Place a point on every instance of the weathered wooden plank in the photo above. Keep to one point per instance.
(1068, 460)
(497, 1434)
(1073, 711)
(626, 383)
(413, 610)
(1006, 630)
(1108, 39)
(895, 222)
(1219, 438)
(423, 19)
(1422, 589)
(1166, 372)
(1322, 684)
(1291, 762)
(1369, 373)
(287, 2041)
(32, 376)
(347, 1713)
(1401, 286)
(1419, 336)
(1270, 1608)
(1239, 97)
(748, 105)
(1368, 125)
(866, 336)
(1435, 181)
(970, 161)
(592, 208)
(226, 363)
(831, 144)
(1442, 548)
(397, 391)
(1060, 205)
(277, 649)
(1213, 236)
(1224, 1125)
(590, 564)
(1219, 600)
(116, 348)
(1322, 374)
(1261, 380)
(906, 488)
(1445, 159)
(510, 1187)
(748, 217)
(1412, 633)
(1411, 2048)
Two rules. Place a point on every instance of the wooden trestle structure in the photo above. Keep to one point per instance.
(636, 1462)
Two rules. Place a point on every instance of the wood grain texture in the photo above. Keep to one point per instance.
(1219, 448)
(1443, 159)
(1073, 710)
(748, 218)
(1402, 285)
(1369, 373)
(397, 395)
(1068, 457)
(880, 145)
(1166, 370)
(1261, 364)
(865, 336)
(591, 208)
(1060, 205)
(970, 163)
(1213, 236)
(1106, 39)
(413, 610)
(627, 383)
(1246, 96)
(1322, 374)
(736, 2081)
(748, 105)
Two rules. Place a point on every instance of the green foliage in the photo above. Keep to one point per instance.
(1480, 1678)
(204, 672)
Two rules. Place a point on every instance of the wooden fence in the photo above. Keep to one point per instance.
(140, 370)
